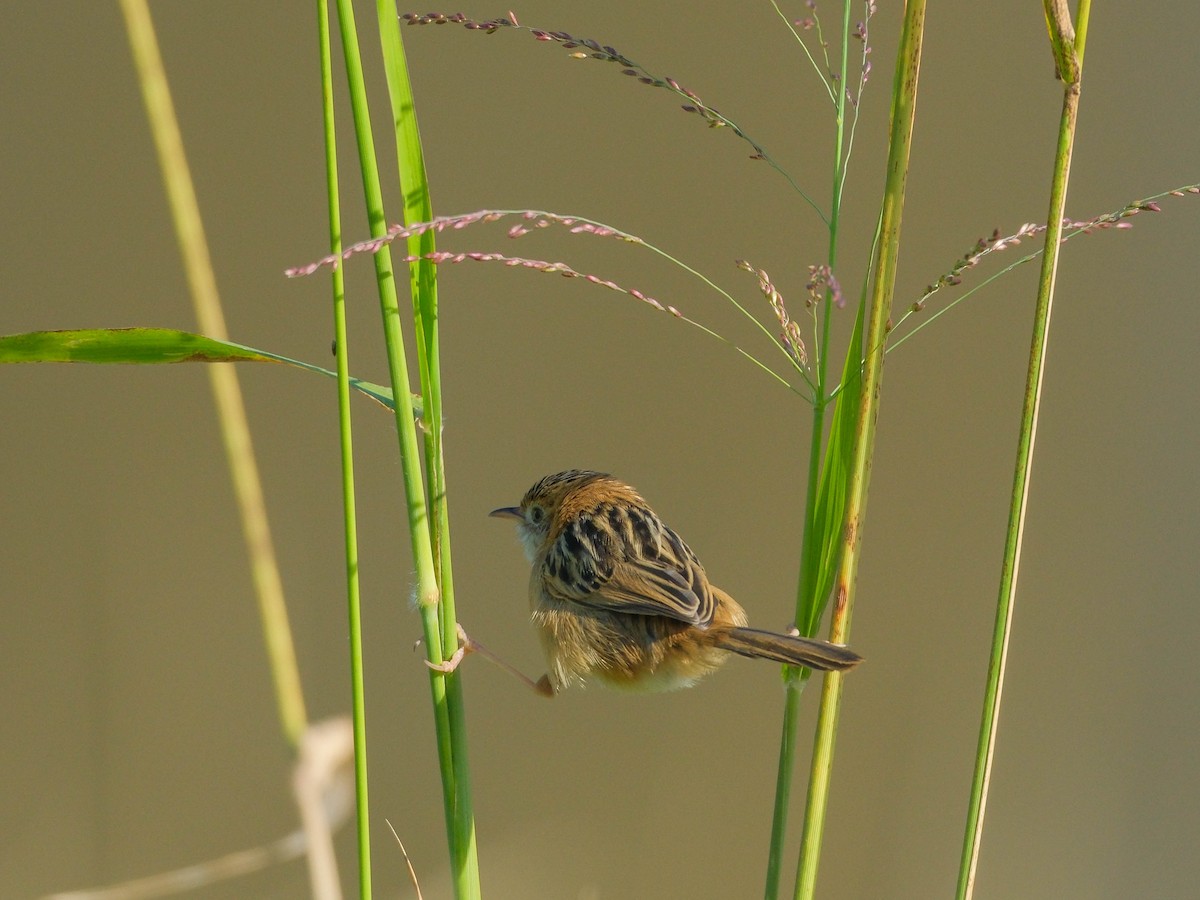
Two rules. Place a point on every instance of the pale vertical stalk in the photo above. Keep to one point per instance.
(231, 412)
(904, 95)
(1068, 50)
(346, 446)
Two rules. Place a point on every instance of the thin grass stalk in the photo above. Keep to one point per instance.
(811, 542)
(346, 446)
(231, 411)
(795, 679)
(1069, 52)
(418, 207)
(414, 487)
(904, 96)
(785, 769)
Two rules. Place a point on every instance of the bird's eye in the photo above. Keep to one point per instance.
(536, 514)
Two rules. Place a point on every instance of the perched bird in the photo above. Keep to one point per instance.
(618, 597)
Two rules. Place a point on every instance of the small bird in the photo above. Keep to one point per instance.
(617, 596)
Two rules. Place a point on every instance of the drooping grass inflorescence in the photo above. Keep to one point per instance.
(822, 283)
(587, 48)
(984, 247)
(535, 218)
(790, 342)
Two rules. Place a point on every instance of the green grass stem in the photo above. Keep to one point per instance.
(346, 447)
(903, 113)
(1068, 45)
(810, 603)
(445, 691)
(418, 207)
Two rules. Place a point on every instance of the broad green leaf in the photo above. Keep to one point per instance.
(143, 346)
(830, 509)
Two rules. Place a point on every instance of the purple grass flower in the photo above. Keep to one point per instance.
(593, 50)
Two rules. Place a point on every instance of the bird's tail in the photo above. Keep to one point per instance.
(788, 649)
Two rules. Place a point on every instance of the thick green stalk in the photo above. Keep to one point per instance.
(904, 96)
(462, 857)
(346, 445)
(1069, 52)
(418, 207)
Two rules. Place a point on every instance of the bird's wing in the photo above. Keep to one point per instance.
(637, 566)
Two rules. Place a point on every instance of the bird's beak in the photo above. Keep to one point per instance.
(507, 512)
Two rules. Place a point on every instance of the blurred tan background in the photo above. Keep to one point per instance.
(140, 732)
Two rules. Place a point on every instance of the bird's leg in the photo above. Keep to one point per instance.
(467, 645)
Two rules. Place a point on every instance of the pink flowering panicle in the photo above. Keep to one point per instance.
(530, 220)
(984, 247)
(790, 335)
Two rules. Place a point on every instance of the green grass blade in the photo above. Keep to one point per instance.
(150, 346)
(428, 589)
(830, 512)
(124, 345)
(358, 703)
(863, 417)
(418, 207)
